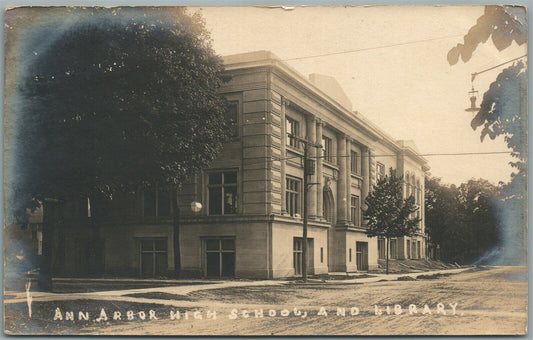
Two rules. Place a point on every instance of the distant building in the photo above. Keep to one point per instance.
(250, 224)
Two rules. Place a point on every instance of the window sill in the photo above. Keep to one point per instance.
(221, 215)
(330, 165)
(357, 175)
(295, 150)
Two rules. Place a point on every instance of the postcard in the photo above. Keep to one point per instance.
(267, 170)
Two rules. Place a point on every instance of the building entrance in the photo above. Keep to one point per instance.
(298, 258)
(361, 249)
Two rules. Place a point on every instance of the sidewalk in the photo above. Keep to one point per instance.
(181, 289)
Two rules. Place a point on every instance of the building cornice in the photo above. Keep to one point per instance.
(266, 59)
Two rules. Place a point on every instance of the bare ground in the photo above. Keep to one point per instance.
(489, 301)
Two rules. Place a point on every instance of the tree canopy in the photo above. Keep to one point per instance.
(388, 214)
(116, 102)
(463, 220)
(504, 24)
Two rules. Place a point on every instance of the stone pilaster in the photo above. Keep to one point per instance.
(283, 157)
(311, 152)
(341, 180)
(372, 167)
(348, 181)
(319, 176)
(365, 172)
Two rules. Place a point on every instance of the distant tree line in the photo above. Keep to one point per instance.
(466, 220)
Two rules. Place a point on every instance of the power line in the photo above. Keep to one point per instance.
(372, 48)
(424, 155)
(272, 159)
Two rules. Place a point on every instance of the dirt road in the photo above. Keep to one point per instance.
(491, 301)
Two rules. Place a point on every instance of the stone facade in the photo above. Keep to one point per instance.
(250, 224)
(275, 101)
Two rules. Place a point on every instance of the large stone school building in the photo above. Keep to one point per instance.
(251, 221)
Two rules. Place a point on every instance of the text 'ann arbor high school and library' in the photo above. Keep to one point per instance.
(252, 195)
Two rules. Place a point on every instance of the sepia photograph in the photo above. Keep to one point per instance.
(355, 170)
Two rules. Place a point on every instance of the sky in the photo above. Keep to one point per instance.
(391, 63)
(397, 74)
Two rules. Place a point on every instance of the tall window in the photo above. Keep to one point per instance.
(153, 257)
(156, 202)
(380, 171)
(327, 145)
(355, 210)
(354, 162)
(222, 193)
(381, 248)
(293, 130)
(393, 244)
(220, 257)
(232, 118)
(293, 196)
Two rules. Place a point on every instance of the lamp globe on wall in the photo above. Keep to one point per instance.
(196, 206)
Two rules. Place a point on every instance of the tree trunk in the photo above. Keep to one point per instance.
(45, 265)
(176, 232)
(388, 250)
(95, 265)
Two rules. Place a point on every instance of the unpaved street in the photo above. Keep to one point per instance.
(478, 301)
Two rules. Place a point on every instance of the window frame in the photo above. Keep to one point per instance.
(327, 147)
(222, 185)
(156, 189)
(393, 248)
(220, 251)
(294, 131)
(235, 131)
(293, 197)
(153, 252)
(380, 171)
(354, 210)
(354, 162)
(382, 248)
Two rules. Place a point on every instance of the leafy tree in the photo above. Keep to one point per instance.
(504, 24)
(479, 205)
(463, 220)
(503, 110)
(387, 213)
(120, 100)
(443, 223)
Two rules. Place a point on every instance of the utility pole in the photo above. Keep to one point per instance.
(304, 236)
(309, 169)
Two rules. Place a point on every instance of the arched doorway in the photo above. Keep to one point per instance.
(328, 207)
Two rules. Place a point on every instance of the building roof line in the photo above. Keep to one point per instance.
(268, 59)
